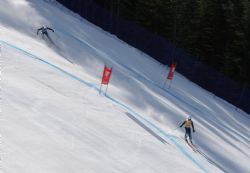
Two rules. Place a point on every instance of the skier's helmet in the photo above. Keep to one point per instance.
(189, 117)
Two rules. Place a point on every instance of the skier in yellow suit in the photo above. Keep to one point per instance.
(188, 123)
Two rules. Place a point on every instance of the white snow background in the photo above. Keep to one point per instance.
(53, 119)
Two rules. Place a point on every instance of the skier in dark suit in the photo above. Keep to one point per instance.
(44, 30)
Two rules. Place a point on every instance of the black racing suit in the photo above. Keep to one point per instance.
(44, 31)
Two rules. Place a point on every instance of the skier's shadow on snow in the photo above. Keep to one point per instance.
(146, 128)
(48, 40)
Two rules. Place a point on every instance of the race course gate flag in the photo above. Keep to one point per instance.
(106, 77)
(171, 71)
(170, 75)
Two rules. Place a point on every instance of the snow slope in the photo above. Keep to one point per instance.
(53, 118)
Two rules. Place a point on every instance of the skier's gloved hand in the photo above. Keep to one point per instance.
(193, 130)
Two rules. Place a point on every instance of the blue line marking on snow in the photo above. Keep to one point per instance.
(50, 64)
(146, 122)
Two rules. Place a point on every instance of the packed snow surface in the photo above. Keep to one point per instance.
(54, 120)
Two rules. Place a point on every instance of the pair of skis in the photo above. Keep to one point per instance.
(210, 160)
(196, 150)
(192, 146)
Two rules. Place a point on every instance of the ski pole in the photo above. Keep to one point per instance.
(175, 129)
